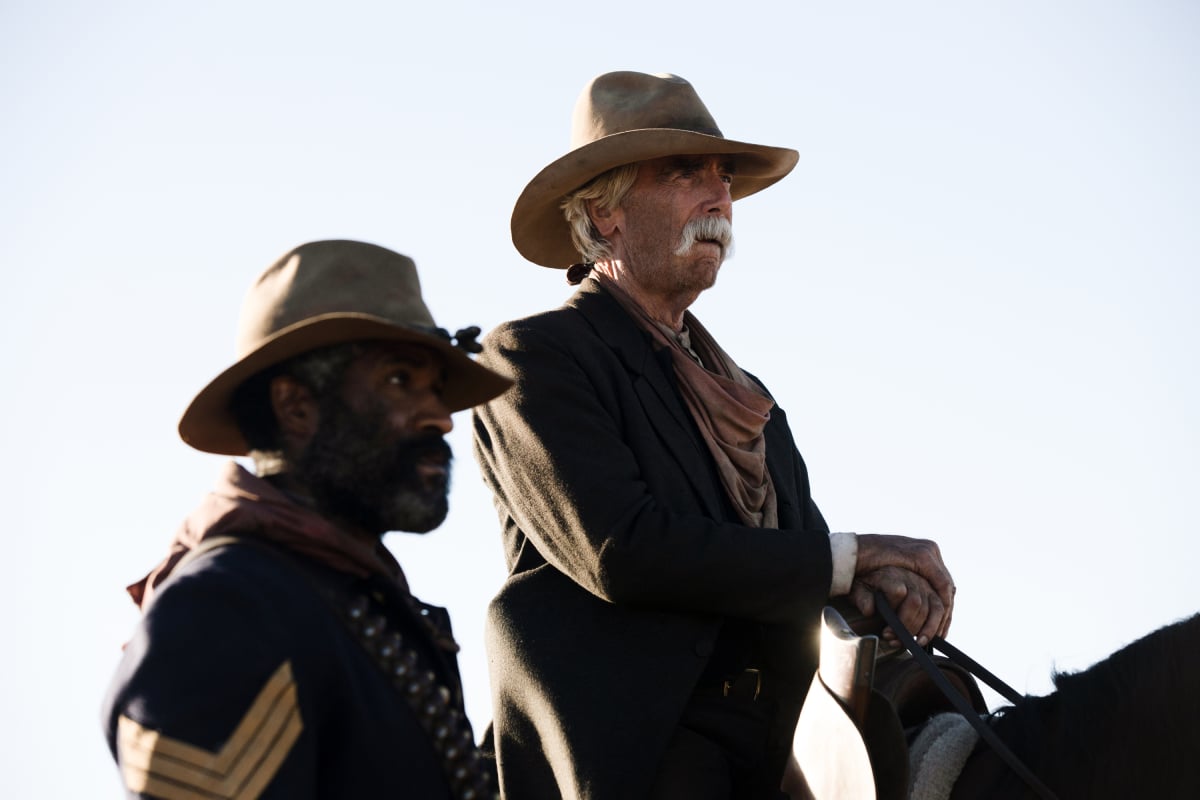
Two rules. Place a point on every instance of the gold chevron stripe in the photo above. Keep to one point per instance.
(174, 770)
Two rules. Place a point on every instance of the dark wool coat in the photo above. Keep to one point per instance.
(242, 682)
(624, 555)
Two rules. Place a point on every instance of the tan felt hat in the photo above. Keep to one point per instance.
(621, 118)
(324, 293)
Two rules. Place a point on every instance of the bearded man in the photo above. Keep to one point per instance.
(281, 653)
(668, 566)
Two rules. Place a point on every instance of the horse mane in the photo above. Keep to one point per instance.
(1129, 726)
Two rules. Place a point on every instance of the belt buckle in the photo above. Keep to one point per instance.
(728, 685)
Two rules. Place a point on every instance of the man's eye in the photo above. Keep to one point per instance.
(727, 179)
(400, 379)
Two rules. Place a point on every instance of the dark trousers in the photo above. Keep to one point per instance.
(723, 749)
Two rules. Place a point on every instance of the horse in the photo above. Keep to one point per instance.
(1126, 728)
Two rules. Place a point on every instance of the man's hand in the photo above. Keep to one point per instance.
(913, 578)
(920, 609)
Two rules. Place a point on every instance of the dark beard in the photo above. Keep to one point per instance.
(356, 474)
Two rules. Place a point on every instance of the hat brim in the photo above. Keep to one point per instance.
(539, 230)
(208, 423)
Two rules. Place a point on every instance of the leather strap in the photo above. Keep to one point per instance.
(972, 666)
(960, 703)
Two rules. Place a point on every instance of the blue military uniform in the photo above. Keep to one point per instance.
(257, 673)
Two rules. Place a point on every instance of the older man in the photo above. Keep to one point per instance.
(656, 634)
(281, 654)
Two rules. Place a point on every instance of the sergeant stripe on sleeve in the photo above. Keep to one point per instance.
(175, 770)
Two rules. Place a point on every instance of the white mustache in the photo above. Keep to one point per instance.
(706, 229)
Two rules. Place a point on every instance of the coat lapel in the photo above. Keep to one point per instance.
(782, 468)
(653, 380)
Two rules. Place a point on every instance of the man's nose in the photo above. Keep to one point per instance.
(436, 416)
(721, 200)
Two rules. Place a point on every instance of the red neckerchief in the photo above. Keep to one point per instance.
(246, 505)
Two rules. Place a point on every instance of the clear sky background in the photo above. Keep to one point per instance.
(975, 296)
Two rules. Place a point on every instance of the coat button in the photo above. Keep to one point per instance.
(704, 648)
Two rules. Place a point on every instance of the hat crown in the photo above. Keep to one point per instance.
(617, 102)
(332, 278)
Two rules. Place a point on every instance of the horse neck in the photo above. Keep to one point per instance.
(986, 776)
(1123, 728)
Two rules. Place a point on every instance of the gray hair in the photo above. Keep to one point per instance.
(609, 188)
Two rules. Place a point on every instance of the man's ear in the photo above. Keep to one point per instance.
(295, 410)
(607, 220)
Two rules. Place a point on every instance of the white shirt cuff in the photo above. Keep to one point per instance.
(844, 548)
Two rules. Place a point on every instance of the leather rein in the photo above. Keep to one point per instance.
(960, 703)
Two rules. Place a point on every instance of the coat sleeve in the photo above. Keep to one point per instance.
(578, 467)
(216, 707)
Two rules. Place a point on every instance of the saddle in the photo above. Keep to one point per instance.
(863, 706)
(910, 690)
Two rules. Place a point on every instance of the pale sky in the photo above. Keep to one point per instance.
(974, 297)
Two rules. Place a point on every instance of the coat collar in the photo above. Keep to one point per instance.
(656, 388)
(663, 404)
(631, 344)
(614, 325)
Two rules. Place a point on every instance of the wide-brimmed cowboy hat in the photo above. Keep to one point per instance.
(324, 293)
(621, 118)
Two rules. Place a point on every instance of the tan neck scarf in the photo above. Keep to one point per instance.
(729, 409)
(247, 505)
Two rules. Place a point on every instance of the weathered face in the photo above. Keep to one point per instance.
(378, 458)
(667, 196)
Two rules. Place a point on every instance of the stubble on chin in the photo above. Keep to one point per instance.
(697, 269)
(417, 511)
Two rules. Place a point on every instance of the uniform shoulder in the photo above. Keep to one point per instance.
(241, 560)
(229, 645)
(234, 586)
